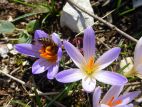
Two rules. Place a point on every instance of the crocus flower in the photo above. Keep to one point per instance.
(89, 70)
(47, 49)
(135, 69)
(112, 98)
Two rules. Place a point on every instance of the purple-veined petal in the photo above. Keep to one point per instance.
(40, 34)
(59, 54)
(96, 96)
(56, 39)
(74, 53)
(88, 84)
(108, 57)
(40, 66)
(52, 71)
(89, 43)
(114, 91)
(111, 78)
(138, 53)
(28, 49)
(69, 75)
(129, 105)
(128, 97)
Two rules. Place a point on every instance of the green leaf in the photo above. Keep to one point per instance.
(25, 38)
(32, 25)
(127, 11)
(118, 3)
(6, 26)
(19, 102)
(38, 99)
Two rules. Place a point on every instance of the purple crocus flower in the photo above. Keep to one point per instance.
(112, 98)
(47, 49)
(89, 70)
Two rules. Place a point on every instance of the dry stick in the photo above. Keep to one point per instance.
(23, 83)
(103, 21)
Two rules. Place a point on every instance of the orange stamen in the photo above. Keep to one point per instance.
(48, 53)
(90, 65)
(112, 103)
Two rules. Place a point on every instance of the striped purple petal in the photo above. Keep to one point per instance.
(89, 43)
(40, 34)
(127, 98)
(74, 54)
(70, 75)
(52, 71)
(56, 39)
(40, 66)
(59, 54)
(111, 78)
(129, 105)
(28, 49)
(96, 97)
(108, 57)
(114, 91)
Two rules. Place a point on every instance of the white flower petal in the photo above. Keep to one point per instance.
(88, 84)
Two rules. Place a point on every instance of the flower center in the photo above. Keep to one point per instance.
(91, 66)
(49, 53)
(112, 103)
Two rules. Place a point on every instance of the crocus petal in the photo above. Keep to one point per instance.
(88, 84)
(70, 75)
(129, 105)
(40, 66)
(138, 53)
(127, 98)
(139, 69)
(114, 91)
(59, 54)
(40, 34)
(96, 96)
(103, 105)
(89, 43)
(56, 39)
(28, 49)
(74, 53)
(52, 71)
(108, 57)
(111, 78)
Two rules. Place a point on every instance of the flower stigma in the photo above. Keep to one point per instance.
(112, 103)
(91, 67)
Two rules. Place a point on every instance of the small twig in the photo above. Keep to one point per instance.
(44, 94)
(12, 77)
(15, 70)
(103, 43)
(103, 21)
